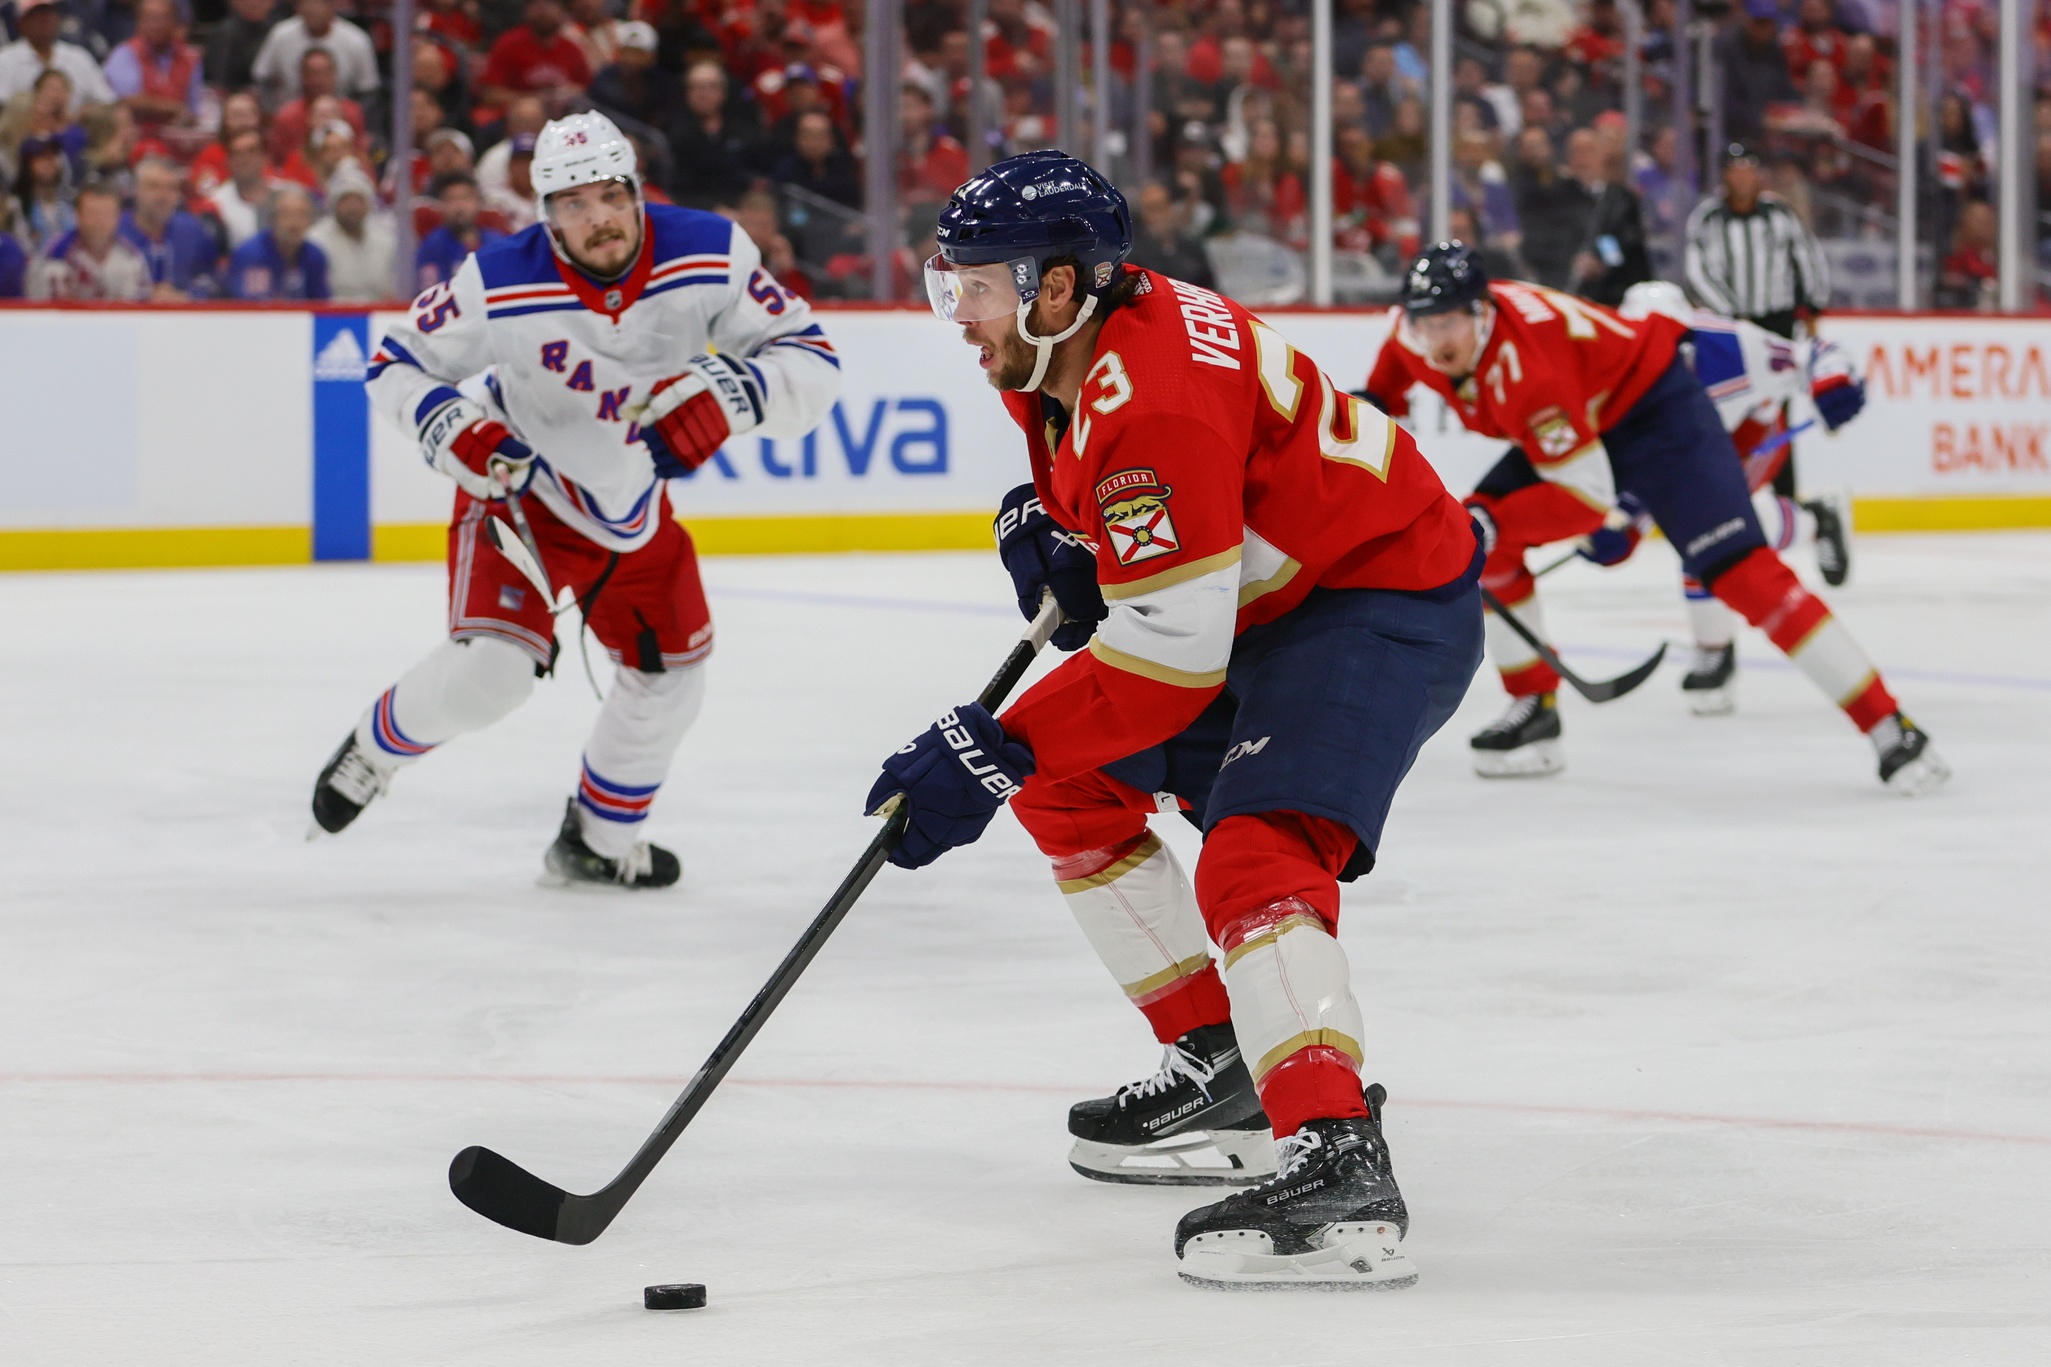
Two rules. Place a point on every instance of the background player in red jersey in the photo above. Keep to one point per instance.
(1279, 604)
(1616, 431)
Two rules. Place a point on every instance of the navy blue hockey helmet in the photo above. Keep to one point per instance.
(1448, 276)
(1021, 213)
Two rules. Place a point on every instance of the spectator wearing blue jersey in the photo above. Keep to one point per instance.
(184, 254)
(279, 263)
(13, 260)
(443, 250)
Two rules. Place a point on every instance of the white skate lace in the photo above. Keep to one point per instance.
(1293, 1151)
(634, 863)
(1521, 709)
(1708, 659)
(1886, 735)
(1175, 1063)
(357, 779)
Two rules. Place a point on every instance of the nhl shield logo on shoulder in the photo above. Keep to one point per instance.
(613, 298)
(1134, 504)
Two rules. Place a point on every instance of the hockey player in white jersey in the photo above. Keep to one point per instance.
(581, 363)
(1755, 378)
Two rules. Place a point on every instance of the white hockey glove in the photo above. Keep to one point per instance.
(464, 442)
(691, 414)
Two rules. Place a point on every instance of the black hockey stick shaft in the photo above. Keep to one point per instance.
(502, 1191)
(1604, 691)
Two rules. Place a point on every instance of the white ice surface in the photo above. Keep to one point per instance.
(1707, 1051)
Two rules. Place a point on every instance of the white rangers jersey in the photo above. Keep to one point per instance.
(1749, 372)
(565, 360)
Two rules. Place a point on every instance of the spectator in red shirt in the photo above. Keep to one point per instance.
(241, 112)
(316, 81)
(930, 164)
(1371, 205)
(1815, 38)
(1601, 39)
(1967, 278)
(537, 57)
(157, 73)
(1261, 194)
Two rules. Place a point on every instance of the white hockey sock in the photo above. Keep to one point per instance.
(628, 753)
(1508, 651)
(1785, 522)
(1712, 622)
(1140, 914)
(1291, 989)
(459, 686)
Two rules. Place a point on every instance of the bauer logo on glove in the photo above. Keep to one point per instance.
(691, 414)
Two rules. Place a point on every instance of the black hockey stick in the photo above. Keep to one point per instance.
(501, 1190)
(1594, 692)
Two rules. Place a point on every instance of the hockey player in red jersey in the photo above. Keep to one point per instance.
(1616, 431)
(1273, 603)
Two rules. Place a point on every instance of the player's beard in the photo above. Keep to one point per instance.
(605, 237)
(1012, 364)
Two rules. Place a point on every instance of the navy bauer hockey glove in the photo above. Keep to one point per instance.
(954, 777)
(1041, 555)
(1613, 542)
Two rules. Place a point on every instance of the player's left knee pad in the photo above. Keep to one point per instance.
(1261, 858)
(1138, 911)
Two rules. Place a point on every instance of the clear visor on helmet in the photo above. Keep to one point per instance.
(976, 294)
(1426, 331)
(592, 201)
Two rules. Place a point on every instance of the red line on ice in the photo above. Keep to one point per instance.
(931, 1085)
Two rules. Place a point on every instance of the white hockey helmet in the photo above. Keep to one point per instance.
(580, 149)
(1656, 296)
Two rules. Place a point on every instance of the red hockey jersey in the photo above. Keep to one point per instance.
(1553, 374)
(1220, 476)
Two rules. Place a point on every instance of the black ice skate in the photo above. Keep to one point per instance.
(1198, 1122)
(1331, 1220)
(1908, 763)
(1523, 743)
(1833, 542)
(1711, 686)
(345, 787)
(572, 863)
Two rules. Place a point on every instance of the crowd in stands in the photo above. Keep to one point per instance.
(239, 149)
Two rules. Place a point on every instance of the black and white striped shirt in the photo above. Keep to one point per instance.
(1754, 265)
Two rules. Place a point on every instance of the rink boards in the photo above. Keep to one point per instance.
(215, 436)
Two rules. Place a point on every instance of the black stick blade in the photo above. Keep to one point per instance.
(504, 1192)
(1623, 683)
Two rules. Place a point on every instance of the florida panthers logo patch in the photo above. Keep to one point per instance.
(1554, 432)
(1134, 504)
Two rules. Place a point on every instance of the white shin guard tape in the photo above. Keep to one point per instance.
(1141, 917)
(633, 741)
(1291, 989)
(459, 686)
(1508, 651)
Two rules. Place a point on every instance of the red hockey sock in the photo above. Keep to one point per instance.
(1769, 596)
(1184, 1001)
(1318, 1083)
(1252, 862)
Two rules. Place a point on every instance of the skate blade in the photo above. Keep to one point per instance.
(1926, 773)
(1712, 702)
(314, 831)
(1536, 760)
(1365, 1257)
(1201, 1158)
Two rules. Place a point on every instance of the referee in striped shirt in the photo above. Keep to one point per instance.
(1750, 257)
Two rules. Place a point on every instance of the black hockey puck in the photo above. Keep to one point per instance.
(674, 1296)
